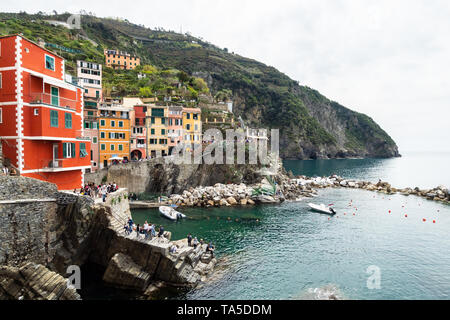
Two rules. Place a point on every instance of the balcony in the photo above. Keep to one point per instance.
(48, 99)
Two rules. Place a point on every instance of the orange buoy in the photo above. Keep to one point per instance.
(434, 221)
(389, 211)
(406, 216)
(424, 219)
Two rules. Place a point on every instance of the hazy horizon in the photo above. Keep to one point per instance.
(387, 60)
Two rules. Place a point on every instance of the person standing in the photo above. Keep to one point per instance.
(189, 240)
(104, 192)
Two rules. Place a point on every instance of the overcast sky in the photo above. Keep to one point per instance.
(388, 59)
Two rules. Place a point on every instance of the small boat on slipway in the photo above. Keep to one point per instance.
(171, 213)
(322, 208)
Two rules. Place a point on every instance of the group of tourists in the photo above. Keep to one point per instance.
(6, 171)
(148, 229)
(97, 191)
(193, 242)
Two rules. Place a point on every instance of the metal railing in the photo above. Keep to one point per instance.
(49, 99)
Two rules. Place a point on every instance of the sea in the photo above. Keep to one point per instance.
(377, 246)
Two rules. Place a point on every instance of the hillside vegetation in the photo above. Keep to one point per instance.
(311, 126)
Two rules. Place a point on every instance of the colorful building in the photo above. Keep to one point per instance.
(175, 128)
(120, 60)
(89, 76)
(138, 144)
(41, 115)
(157, 125)
(192, 125)
(114, 134)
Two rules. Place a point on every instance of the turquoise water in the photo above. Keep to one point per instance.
(286, 251)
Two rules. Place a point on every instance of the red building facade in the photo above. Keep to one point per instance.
(138, 146)
(41, 115)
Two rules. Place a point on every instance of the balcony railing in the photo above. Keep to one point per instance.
(49, 99)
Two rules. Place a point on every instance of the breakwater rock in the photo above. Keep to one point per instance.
(440, 193)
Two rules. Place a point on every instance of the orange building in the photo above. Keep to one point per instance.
(41, 115)
(114, 134)
(120, 60)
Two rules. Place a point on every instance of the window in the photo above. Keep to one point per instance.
(1, 115)
(102, 123)
(120, 124)
(102, 146)
(102, 135)
(68, 120)
(120, 147)
(49, 63)
(163, 132)
(94, 140)
(188, 127)
(86, 124)
(54, 118)
(188, 115)
(94, 125)
(90, 113)
(83, 152)
(163, 120)
(112, 147)
(152, 120)
(152, 131)
(195, 116)
(68, 150)
(113, 123)
(0, 80)
(196, 127)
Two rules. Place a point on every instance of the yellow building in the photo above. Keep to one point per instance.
(157, 122)
(192, 125)
(114, 134)
(120, 60)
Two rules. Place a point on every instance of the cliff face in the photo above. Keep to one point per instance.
(47, 231)
(160, 177)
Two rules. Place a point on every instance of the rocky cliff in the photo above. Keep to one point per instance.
(160, 177)
(47, 231)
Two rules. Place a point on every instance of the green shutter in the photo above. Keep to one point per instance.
(64, 150)
(73, 150)
(68, 120)
(54, 118)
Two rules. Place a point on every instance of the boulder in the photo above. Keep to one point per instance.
(123, 272)
(232, 201)
(243, 202)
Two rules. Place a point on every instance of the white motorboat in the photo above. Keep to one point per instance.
(171, 213)
(322, 208)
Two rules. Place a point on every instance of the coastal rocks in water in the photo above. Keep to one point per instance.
(34, 282)
(232, 201)
(123, 272)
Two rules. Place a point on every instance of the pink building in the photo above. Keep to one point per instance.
(175, 128)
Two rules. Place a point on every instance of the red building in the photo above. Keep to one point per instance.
(41, 115)
(138, 146)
